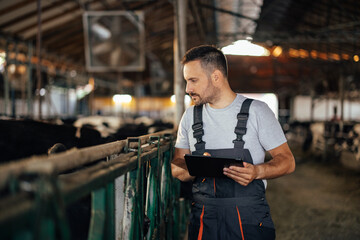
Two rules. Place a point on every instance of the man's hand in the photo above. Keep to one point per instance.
(282, 163)
(178, 166)
(242, 175)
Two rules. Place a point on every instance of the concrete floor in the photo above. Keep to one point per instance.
(318, 201)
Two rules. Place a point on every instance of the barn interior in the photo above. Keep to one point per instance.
(112, 69)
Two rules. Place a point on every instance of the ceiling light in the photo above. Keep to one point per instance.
(334, 56)
(323, 56)
(303, 53)
(277, 51)
(42, 92)
(12, 68)
(356, 58)
(173, 99)
(345, 56)
(2, 58)
(245, 48)
(314, 54)
(294, 53)
(122, 98)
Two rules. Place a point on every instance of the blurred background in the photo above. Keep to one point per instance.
(87, 72)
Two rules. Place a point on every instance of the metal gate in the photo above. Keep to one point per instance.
(133, 195)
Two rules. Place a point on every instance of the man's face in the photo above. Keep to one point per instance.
(198, 83)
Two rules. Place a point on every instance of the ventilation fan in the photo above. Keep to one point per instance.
(114, 41)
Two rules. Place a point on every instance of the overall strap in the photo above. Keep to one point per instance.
(240, 128)
(198, 128)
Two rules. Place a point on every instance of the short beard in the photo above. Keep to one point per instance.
(211, 97)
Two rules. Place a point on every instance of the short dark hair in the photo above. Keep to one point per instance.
(210, 57)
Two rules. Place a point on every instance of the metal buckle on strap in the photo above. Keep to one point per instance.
(200, 144)
(240, 130)
(197, 126)
(243, 116)
(198, 133)
(239, 143)
(238, 140)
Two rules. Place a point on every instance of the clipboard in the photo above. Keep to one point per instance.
(207, 166)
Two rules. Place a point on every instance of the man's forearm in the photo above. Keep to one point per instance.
(178, 165)
(180, 171)
(179, 162)
(280, 165)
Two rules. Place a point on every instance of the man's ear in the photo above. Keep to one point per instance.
(216, 77)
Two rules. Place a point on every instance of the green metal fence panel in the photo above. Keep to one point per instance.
(102, 223)
(153, 194)
(152, 209)
(166, 196)
(98, 214)
(134, 215)
(129, 224)
(110, 211)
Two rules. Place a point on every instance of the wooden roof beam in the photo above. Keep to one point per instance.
(199, 24)
(24, 17)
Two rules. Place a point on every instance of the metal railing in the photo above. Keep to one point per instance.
(133, 195)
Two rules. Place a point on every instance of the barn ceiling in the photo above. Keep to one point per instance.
(320, 41)
(329, 26)
(324, 26)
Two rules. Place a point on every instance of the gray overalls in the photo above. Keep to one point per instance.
(222, 208)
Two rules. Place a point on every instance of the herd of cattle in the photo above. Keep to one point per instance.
(327, 142)
(24, 138)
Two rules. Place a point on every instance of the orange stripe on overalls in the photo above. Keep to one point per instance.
(241, 229)
(201, 224)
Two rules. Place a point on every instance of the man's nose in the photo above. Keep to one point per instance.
(188, 89)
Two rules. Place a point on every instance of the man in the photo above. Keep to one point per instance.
(226, 124)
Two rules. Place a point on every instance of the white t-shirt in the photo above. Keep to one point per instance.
(263, 129)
